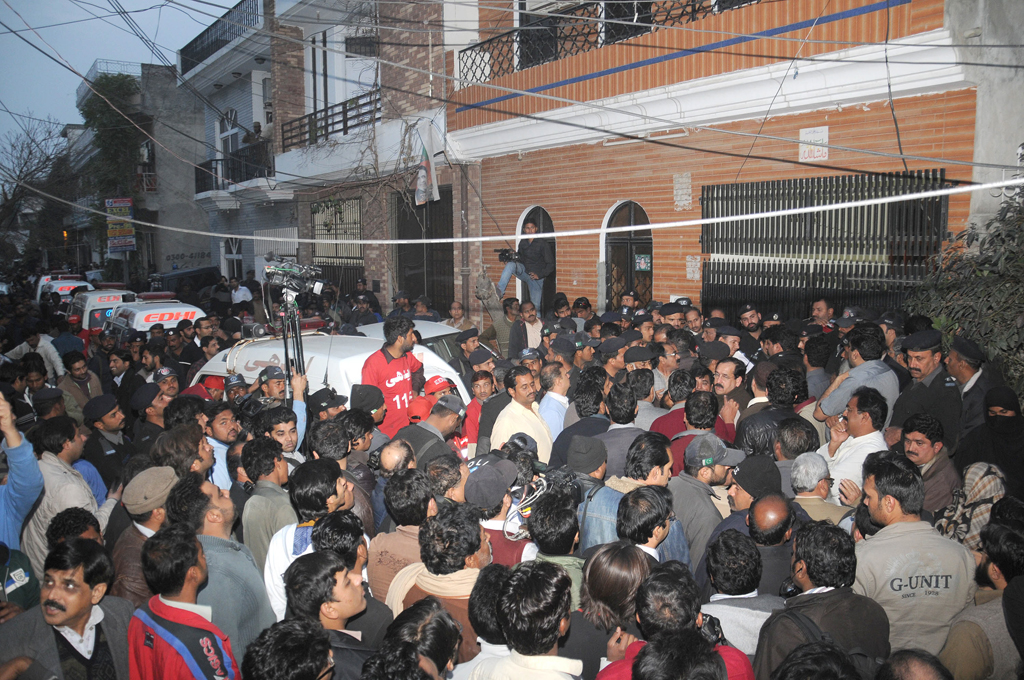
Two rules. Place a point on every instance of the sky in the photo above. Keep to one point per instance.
(33, 85)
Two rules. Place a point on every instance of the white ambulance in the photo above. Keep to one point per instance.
(96, 306)
(331, 361)
(64, 286)
(141, 312)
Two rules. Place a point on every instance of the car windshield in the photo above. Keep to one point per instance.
(443, 346)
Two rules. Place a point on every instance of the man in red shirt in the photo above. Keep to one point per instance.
(397, 373)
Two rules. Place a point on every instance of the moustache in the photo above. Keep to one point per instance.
(54, 605)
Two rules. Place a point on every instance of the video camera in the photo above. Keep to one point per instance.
(298, 278)
(507, 255)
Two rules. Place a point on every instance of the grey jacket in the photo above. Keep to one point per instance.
(691, 501)
(29, 635)
(236, 592)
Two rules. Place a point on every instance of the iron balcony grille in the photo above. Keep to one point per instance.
(544, 38)
(250, 162)
(235, 23)
(339, 119)
(870, 256)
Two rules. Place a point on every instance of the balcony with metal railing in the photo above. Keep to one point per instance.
(339, 119)
(105, 66)
(225, 174)
(240, 21)
(563, 32)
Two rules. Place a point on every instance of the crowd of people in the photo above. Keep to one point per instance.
(659, 491)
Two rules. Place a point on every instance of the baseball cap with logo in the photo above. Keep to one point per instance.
(453, 402)
(529, 354)
(436, 384)
(163, 374)
(488, 484)
(707, 450)
(584, 339)
(326, 398)
(234, 380)
(271, 373)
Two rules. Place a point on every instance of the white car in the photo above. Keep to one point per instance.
(438, 337)
(331, 361)
(142, 314)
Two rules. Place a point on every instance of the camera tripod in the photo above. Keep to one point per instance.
(290, 330)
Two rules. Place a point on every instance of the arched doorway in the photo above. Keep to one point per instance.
(542, 219)
(629, 256)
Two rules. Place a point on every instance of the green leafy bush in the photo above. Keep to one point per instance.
(978, 290)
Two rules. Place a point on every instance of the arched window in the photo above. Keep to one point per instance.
(542, 219)
(629, 255)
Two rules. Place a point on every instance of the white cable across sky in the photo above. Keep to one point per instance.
(936, 193)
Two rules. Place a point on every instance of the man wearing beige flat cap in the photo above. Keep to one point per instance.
(144, 499)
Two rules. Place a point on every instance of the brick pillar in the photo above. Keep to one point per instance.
(287, 73)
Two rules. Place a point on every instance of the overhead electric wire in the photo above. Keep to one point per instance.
(556, 15)
(788, 212)
(778, 91)
(888, 84)
(598, 107)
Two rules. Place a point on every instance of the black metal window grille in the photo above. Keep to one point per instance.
(331, 219)
(871, 256)
(625, 270)
(235, 23)
(637, 12)
(541, 37)
(361, 46)
(424, 268)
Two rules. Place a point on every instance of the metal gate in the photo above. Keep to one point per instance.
(427, 268)
(336, 218)
(629, 255)
(871, 256)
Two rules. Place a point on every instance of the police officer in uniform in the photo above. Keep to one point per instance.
(150, 404)
(933, 390)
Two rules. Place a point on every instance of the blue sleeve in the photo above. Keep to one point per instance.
(674, 547)
(92, 478)
(24, 484)
(299, 408)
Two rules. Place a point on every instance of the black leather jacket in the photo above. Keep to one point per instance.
(755, 435)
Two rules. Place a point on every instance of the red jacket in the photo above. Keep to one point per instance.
(167, 642)
(737, 665)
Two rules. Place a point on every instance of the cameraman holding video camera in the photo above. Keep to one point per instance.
(533, 263)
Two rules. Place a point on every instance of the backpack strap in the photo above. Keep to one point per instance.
(807, 626)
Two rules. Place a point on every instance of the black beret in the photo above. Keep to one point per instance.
(465, 335)
(97, 407)
(968, 349)
(923, 341)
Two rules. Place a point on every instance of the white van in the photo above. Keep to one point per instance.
(96, 306)
(64, 286)
(54, 276)
(142, 314)
(331, 361)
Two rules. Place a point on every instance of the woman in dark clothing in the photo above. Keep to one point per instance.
(1000, 441)
(611, 577)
